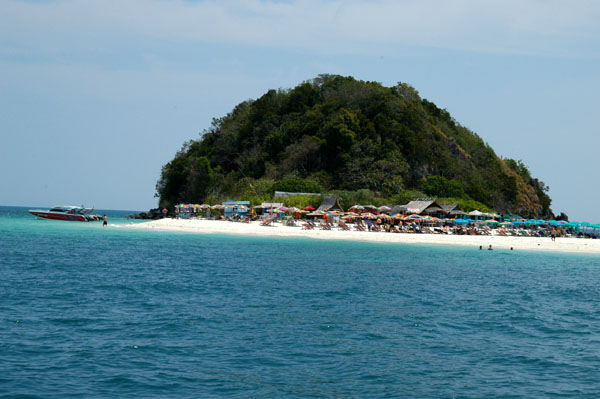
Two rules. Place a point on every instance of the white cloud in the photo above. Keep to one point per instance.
(555, 28)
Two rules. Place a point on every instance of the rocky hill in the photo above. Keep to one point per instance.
(335, 133)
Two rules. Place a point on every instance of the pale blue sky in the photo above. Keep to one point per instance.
(95, 96)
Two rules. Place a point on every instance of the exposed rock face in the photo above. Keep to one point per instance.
(154, 214)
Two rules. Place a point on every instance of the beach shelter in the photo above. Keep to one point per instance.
(330, 203)
(510, 216)
(476, 214)
(453, 209)
(461, 221)
(419, 207)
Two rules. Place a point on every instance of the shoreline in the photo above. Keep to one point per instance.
(203, 226)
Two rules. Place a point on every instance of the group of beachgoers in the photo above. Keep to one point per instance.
(382, 222)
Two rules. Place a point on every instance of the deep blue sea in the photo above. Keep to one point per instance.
(93, 312)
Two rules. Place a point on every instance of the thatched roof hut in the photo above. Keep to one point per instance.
(420, 207)
(453, 209)
(330, 203)
(397, 209)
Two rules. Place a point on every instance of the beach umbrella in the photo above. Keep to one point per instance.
(384, 208)
(369, 215)
(309, 208)
(357, 207)
(429, 219)
(370, 207)
(217, 206)
(259, 207)
(412, 218)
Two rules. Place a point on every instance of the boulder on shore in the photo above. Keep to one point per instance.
(153, 214)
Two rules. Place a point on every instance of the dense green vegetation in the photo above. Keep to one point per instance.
(364, 141)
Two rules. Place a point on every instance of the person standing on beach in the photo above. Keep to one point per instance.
(553, 234)
(164, 212)
(105, 222)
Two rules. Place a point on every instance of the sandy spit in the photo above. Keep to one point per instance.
(562, 244)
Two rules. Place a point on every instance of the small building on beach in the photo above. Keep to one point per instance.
(430, 207)
(453, 210)
(236, 208)
(330, 203)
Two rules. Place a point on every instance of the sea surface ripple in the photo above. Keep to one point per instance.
(92, 312)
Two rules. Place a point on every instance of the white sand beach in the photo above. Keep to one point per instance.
(562, 244)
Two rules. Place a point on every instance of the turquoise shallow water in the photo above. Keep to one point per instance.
(96, 312)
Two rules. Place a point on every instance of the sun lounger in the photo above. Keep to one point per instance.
(306, 226)
(343, 226)
(266, 222)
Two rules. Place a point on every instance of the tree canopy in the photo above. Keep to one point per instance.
(338, 133)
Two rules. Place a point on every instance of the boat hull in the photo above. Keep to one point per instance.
(59, 216)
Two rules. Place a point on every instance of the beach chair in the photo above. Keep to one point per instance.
(325, 226)
(307, 226)
(343, 226)
(267, 222)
